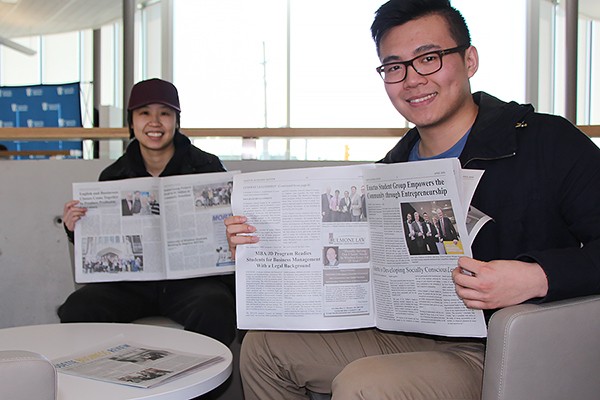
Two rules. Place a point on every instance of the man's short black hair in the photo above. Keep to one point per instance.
(399, 12)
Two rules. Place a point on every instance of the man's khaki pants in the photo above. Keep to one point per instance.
(360, 364)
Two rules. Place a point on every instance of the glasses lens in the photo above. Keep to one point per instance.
(393, 72)
(428, 63)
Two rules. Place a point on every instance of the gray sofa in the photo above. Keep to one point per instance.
(25, 375)
(549, 351)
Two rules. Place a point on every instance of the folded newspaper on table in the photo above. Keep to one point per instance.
(132, 364)
(153, 228)
(357, 246)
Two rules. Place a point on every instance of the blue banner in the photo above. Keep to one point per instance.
(38, 106)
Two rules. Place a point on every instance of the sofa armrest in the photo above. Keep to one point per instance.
(25, 376)
(546, 351)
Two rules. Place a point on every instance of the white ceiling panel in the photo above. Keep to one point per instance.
(36, 17)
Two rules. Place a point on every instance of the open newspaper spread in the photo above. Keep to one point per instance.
(132, 364)
(153, 228)
(337, 249)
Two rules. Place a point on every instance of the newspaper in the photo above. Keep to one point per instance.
(153, 228)
(132, 364)
(336, 250)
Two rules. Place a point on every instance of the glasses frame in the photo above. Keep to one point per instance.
(409, 63)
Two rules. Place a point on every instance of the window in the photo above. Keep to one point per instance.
(269, 64)
(20, 69)
(501, 56)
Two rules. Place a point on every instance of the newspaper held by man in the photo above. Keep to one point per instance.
(132, 364)
(356, 246)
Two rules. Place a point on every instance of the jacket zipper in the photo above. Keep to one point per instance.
(490, 159)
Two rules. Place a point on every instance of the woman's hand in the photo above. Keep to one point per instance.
(239, 232)
(72, 213)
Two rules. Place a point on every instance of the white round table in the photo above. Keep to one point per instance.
(59, 340)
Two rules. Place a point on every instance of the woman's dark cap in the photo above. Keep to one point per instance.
(153, 91)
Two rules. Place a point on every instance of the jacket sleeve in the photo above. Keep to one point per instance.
(70, 234)
(574, 166)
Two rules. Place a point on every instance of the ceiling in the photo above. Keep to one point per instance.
(36, 17)
(20, 18)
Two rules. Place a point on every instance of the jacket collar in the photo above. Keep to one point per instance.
(182, 145)
(493, 135)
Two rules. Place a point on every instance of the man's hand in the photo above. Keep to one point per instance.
(498, 283)
(238, 232)
(72, 213)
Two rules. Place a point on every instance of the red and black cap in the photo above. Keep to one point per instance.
(153, 91)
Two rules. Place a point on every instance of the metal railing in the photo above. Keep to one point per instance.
(123, 133)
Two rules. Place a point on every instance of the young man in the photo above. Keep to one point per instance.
(447, 230)
(541, 175)
(430, 239)
(205, 305)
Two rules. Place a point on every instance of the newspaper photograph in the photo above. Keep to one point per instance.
(132, 364)
(337, 249)
(153, 228)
